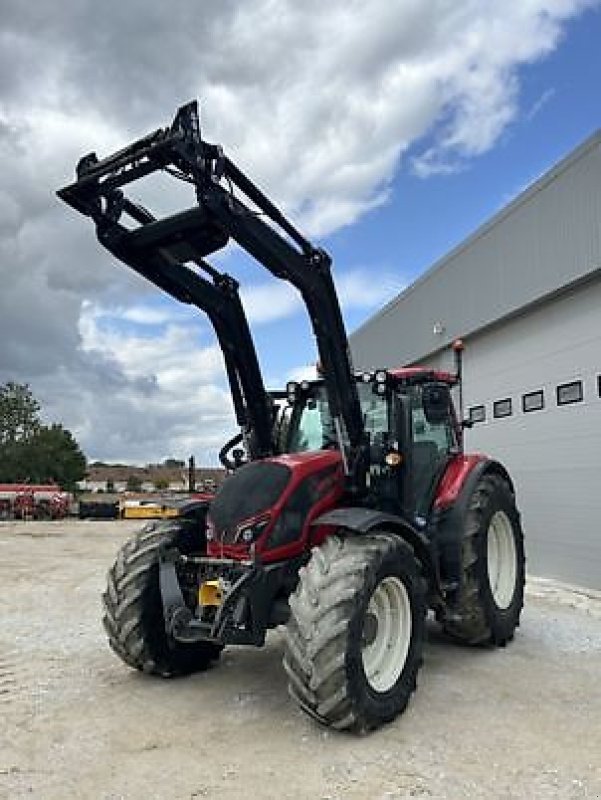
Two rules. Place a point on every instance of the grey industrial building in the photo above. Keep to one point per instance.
(524, 294)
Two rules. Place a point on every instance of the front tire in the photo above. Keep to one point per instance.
(491, 595)
(133, 609)
(355, 636)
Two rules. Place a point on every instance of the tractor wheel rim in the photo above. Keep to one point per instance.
(502, 559)
(385, 654)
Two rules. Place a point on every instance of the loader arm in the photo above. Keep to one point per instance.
(219, 299)
(221, 302)
(159, 249)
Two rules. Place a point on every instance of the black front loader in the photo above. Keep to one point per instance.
(160, 250)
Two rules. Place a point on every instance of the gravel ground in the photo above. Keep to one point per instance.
(521, 722)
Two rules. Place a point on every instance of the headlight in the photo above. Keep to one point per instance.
(250, 533)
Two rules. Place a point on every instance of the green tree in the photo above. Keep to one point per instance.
(53, 454)
(19, 420)
(160, 484)
(10, 466)
(32, 452)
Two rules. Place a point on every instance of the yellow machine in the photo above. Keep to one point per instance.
(146, 509)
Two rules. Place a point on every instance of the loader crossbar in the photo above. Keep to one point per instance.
(179, 146)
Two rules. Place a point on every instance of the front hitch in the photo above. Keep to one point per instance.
(241, 618)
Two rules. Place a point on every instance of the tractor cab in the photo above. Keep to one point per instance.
(413, 433)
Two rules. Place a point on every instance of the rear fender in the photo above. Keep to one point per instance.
(368, 520)
(450, 508)
(461, 476)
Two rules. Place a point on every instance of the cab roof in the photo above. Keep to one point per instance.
(406, 376)
(412, 375)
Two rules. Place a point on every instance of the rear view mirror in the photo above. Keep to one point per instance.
(436, 398)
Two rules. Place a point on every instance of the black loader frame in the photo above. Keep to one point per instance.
(160, 249)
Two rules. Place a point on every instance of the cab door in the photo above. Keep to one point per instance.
(432, 442)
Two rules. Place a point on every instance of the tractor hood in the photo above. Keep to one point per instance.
(269, 504)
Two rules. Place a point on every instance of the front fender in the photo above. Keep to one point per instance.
(369, 520)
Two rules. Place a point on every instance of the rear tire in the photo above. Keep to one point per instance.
(133, 609)
(491, 595)
(355, 636)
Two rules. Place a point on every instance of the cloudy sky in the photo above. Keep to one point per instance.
(387, 130)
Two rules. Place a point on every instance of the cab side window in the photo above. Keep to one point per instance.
(423, 431)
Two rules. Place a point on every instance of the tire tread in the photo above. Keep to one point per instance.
(478, 621)
(132, 608)
(316, 659)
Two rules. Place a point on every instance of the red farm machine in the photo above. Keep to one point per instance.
(351, 509)
(33, 501)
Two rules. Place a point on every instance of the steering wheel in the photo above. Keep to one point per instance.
(231, 456)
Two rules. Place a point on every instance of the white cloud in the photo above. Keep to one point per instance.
(173, 387)
(146, 315)
(320, 113)
(318, 102)
(479, 85)
(357, 289)
(140, 314)
(305, 372)
(175, 359)
(271, 301)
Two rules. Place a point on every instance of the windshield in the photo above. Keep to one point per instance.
(311, 425)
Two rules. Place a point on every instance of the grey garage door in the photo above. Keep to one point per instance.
(535, 382)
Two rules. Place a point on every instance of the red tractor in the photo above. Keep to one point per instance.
(350, 512)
